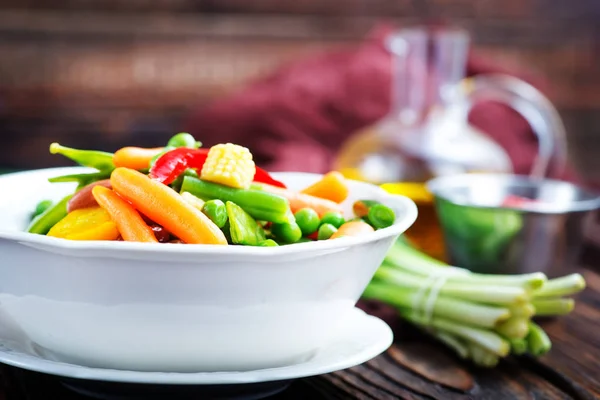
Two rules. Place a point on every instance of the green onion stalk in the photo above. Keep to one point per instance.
(481, 317)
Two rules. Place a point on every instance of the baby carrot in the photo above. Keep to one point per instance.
(135, 157)
(129, 222)
(166, 207)
(331, 187)
(299, 201)
(353, 228)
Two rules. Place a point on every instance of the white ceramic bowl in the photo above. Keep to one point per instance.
(163, 307)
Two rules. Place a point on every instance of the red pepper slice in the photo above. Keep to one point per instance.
(263, 176)
(314, 235)
(173, 163)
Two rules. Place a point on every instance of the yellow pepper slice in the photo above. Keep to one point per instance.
(92, 223)
(417, 192)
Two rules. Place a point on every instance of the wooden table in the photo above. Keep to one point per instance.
(418, 368)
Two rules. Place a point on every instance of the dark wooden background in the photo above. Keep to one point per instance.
(106, 73)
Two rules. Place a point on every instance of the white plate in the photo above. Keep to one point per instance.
(360, 339)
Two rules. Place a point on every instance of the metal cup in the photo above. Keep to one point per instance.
(483, 236)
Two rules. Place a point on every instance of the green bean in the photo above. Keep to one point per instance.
(243, 228)
(261, 205)
(100, 160)
(176, 184)
(333, 218)
(325, 231)
(45, 221)
(82, 179)
(287, 232)
(216, 211)
(308, 220)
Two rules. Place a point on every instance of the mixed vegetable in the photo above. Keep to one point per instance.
(183, 193)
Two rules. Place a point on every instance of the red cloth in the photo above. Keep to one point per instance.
(297, 118)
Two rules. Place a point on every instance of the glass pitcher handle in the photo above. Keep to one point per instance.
(533, 106)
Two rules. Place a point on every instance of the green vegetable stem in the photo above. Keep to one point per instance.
(481, 317)
(261, 205)
(243, 228)
(45, 221)
(99, 160)
(216, 211)
(538, 342)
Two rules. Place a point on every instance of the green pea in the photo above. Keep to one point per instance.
(333, 218)
(325, 231)
(268, 243)
(183, 139)
(304, 240)
(381, 216)
(41, 207)
(361, 207)
(216, 211)
(287, 232)
(308, 220)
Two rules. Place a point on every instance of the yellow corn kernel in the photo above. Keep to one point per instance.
(230, 165)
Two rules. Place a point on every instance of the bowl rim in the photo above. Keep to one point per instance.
(437, 185)
(122, 248)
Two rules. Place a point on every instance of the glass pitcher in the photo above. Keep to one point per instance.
(426, 133)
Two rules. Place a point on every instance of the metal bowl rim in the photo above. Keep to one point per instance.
(437, 185)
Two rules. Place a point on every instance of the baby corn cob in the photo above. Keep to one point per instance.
(230, 165)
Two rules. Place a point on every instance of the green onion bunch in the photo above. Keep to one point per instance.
(481, 317)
